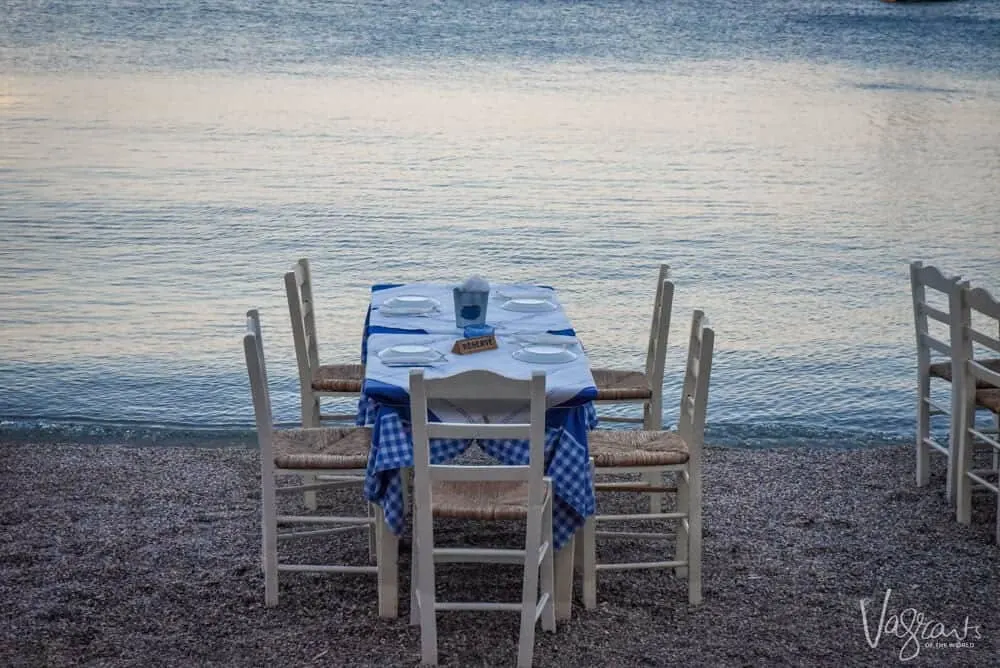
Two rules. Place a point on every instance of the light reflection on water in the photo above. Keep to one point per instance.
(143, 213)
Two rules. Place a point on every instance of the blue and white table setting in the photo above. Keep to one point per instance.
(430, 308)
(538, 337)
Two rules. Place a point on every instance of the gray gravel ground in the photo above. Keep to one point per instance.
(123, 556)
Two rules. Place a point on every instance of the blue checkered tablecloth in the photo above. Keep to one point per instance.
(566, 461)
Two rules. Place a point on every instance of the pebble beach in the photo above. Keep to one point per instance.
(140, 556)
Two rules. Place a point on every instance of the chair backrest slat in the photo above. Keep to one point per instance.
(984, 374)
(935, 344)
(985, 340)
(934, 314)
(458, 430)
(931, 277)
(478, 385)
(980, 324)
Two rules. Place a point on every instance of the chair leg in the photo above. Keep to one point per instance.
(372, 533)
(529, 593)
(998, 517)
(683, 506)
(586, 558)
(963, 498)
(996, 453)
(954, 436)
(309, 498)
(693, 534)
(564, 580)
(310, 418)
(425, 584)
(269, 540)
(923, 431)
(548, 574)
(655, 498)
(414, 577)
(586, 554)
(388, 569)
(963, 486)
(406, 480)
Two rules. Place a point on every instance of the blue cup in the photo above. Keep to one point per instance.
(470, 307)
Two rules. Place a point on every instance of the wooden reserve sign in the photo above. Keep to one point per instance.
(476, 344)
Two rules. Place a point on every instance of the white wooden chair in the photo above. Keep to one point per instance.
(616, 386)
(492, 492)
(978, 386)
(341, 455)
(657, 453)
(934, 361)
(316, 380)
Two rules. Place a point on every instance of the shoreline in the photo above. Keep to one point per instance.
(754, 437)
(122, 555)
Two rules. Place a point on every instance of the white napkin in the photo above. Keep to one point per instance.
(475, 284)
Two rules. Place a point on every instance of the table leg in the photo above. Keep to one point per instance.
(564, 579)
(387, 545)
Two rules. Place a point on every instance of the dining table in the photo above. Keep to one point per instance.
(532, 331)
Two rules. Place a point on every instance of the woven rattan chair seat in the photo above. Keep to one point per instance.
(989, 399)
(322, 448)
(943, 370)
(338, 378)
(619, 384)
(480, 500)
(621, 448)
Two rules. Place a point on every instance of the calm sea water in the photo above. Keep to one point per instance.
(163, 165)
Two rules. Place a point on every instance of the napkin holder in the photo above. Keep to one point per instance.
(475, 344)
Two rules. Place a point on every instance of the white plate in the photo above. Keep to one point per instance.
(544, 355)
(409, 305)
(528, 305)
(409, 354)
(546, 339)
